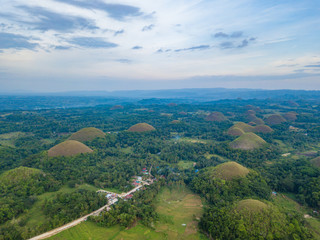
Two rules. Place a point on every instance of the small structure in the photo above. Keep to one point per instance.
(127, 197)
(274, 194)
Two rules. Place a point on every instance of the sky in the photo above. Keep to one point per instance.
(106, 45)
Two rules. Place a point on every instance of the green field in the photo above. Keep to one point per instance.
(185, 165)
(176, 207)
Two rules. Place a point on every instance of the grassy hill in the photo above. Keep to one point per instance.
(216, 117)
(87, 134)
(290, 116)
(141, 127)
(251, 205)
(19, 175)
(263, 129)
(246, 128)
(275, 119)
(235, 131)
(227, 171)
(68, 148)
(247, 141)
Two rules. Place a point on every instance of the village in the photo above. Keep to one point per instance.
(137, 181)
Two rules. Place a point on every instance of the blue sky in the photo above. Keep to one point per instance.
(71, 45)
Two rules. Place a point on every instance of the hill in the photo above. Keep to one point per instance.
(316, 162)
(19, 175)
(247, 141)
(243, 126)
(68, 148)
(275, 119)
(216, 117)
(246, 128)
(290, 116)
(228, 171)
(141, 127)
(87, 134)
(263, 129)
(235, 131)
(175, 122)
(250, 205)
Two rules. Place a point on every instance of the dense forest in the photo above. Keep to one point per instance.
(190, 143)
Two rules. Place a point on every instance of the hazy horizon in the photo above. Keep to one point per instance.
(108, 45)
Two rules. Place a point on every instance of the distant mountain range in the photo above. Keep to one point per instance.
(188, 95)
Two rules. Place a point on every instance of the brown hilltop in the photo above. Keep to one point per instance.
(227, 171)
(251, 205)
(141, 127)
(246, 128)
(262, 129)
(68, 148)
(290, 116)
(275, 119)
(216, 117)
(235, 131)
(87, 134)
(247, 141)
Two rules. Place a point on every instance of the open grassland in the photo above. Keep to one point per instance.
(178, 208)
(286, 202)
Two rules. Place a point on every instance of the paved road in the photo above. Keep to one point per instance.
(79, 220)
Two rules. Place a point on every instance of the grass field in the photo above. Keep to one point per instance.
(185, 165)
(286, 201)
(176, 207)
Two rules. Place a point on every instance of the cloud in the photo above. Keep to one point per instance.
(123, 60)
(47, 20)
(62, 48)
(243, 44)
(313, 66)
(226, 45)
(225, 35)
(115, 11)
(118, 32)
(137, 47)
(92, 42)
(9, 40)
(148, 28)
(200, 47)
